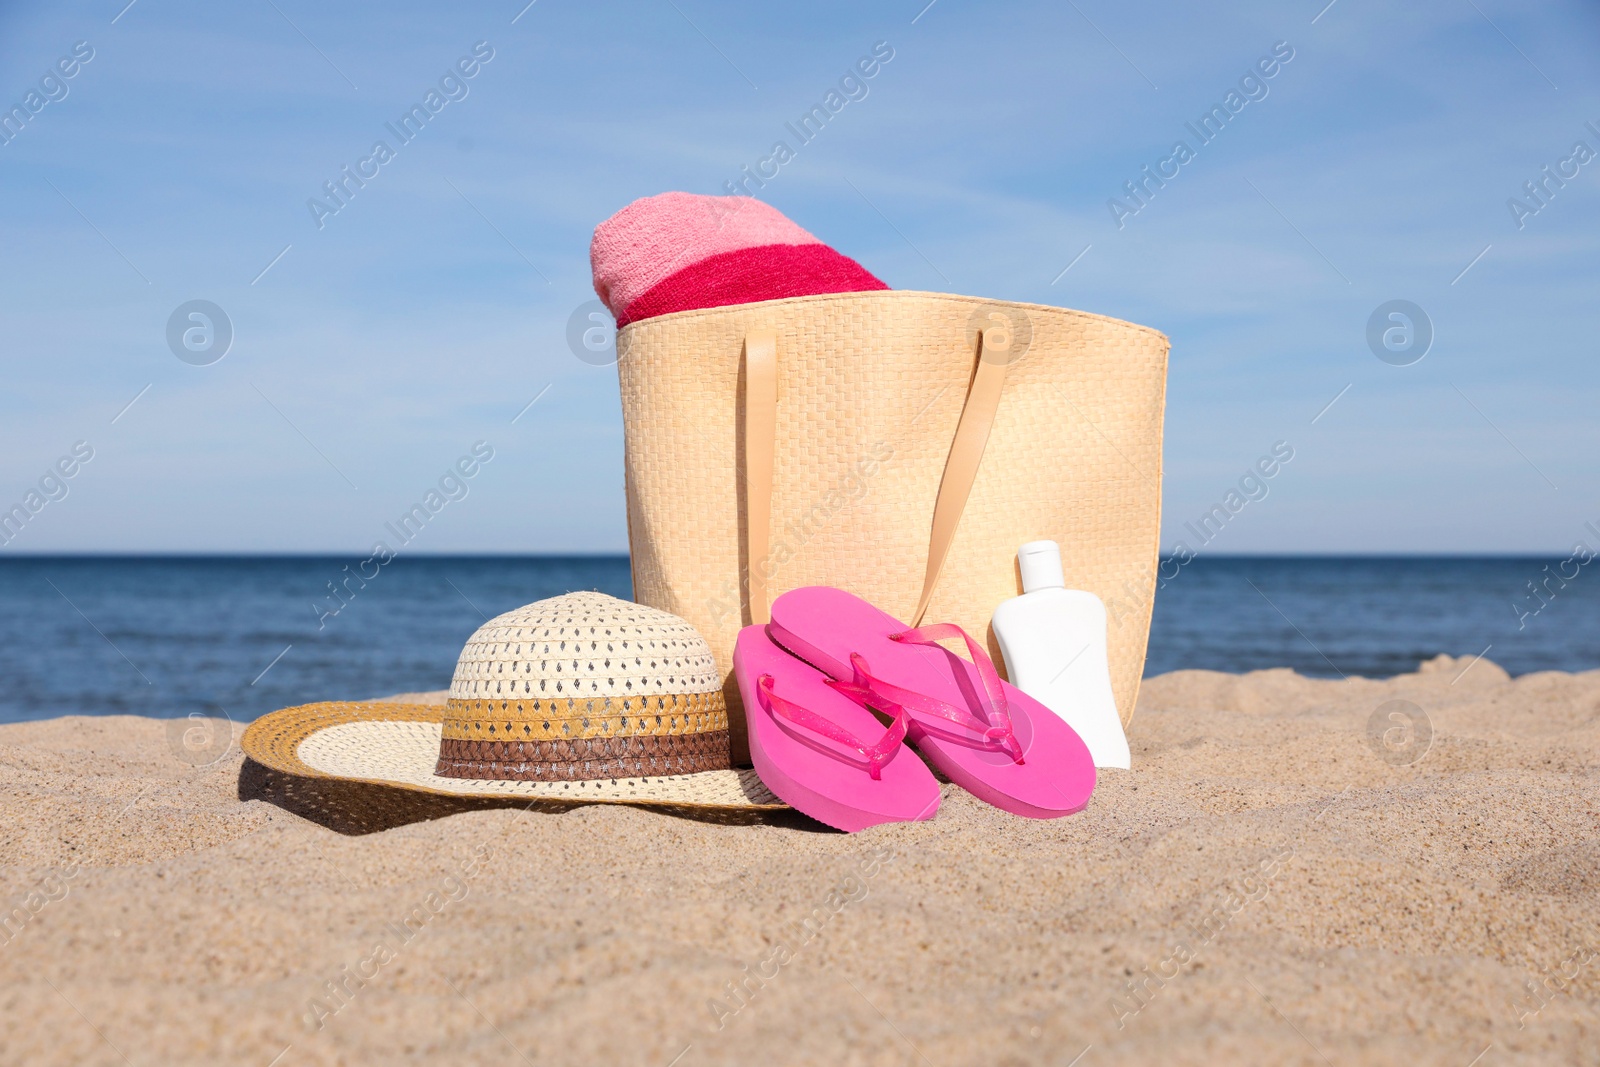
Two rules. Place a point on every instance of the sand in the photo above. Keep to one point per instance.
(1266, 886)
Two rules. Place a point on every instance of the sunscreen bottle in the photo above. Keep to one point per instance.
(1053, 640)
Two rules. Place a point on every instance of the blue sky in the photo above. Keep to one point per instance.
(432, 308)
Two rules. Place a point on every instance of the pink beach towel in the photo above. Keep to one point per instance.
(680, 251)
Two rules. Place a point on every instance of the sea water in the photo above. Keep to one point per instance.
(238, 636)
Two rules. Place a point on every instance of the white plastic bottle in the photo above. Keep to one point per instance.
(1054, 643)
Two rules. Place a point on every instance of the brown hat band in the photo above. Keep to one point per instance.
(584, 758)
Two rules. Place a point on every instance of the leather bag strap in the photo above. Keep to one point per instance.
(960, 469)
(760, 437)
(966, 453)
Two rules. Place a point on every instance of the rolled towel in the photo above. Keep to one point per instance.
(680, 251)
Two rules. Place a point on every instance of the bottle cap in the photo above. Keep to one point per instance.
(1040, 564)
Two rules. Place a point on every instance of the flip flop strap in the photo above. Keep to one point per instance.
(875, 755)
(995, 727)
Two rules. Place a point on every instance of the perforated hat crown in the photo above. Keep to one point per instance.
(580, 687)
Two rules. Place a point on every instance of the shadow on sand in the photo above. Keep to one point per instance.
(358, 808)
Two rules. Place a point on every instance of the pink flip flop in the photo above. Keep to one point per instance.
(808, 743)
(986, 735)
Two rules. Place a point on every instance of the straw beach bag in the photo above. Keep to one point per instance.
(899, 445)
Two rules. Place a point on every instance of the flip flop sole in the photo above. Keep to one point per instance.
(814, 774)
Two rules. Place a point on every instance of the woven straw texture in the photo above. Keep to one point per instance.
(870, 389)
(585, 757)
(398, 745)
(557, 689)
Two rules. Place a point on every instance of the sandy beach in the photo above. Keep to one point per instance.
(1268, 885)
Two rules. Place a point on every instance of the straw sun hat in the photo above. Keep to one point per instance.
(581, 697)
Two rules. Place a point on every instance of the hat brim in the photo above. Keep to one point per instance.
(398, 745)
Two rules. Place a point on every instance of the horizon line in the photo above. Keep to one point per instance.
(176, 554)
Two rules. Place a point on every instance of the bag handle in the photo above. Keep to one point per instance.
(966, 453)
(760, 437)
(960, 468)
